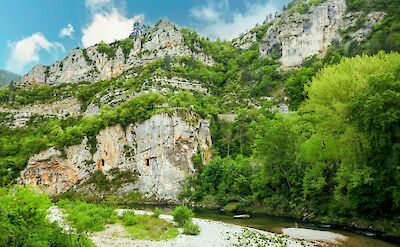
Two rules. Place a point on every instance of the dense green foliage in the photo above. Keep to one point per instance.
(182, 214)
(183, 217)
(23, 221)
(385, 35)
(337, 158)
(129, 218)
(14, 97)
(156, 212)
(241, 73)
(190, 228)
(107, 49)
(86, 217)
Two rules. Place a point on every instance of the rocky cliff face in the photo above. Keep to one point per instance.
(301, 36)
(158, 150)
(298, 36)
(61, 109)
(92, 65)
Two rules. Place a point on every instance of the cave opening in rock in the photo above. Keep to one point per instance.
(102, 162)
(147, 162)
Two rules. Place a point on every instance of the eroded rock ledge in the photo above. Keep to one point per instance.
(159, 151)
(92, 65)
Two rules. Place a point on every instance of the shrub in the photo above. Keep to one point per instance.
(105, 48)
(129, 218)
(150, 228)
(190, 228)
(86, 217)
(156, 212)
(23, 221)
(126, 45)
(182, 214)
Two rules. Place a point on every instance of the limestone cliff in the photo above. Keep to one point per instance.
(159, 150)
(61, 109)
(92, 65)
(298, 36)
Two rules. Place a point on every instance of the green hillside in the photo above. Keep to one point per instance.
(6, 77)
(333, 157)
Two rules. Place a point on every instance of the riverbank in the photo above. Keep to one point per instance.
(212, 233)
(387, 230)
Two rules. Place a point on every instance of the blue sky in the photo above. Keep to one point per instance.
(42, 31)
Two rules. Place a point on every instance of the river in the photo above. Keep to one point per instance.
(274, 224)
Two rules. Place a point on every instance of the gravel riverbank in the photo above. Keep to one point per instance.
(213, 234)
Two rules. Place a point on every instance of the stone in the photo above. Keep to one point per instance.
(160, 150)
(61, 109)
(298, 36)
(302, 35)
(90, 65)
(371, 19)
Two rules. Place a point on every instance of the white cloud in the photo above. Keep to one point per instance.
(108, 27)
(27, 51)
(216, 24)
(66, 31)
(96, 5)
(205, 13)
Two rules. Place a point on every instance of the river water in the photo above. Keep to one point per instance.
(274, 224)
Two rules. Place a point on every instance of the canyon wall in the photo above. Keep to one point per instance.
(159, 151)
(92, 65)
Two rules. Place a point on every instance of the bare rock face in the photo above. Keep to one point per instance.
(370, 20)
(35, 77)
(56, 173)
(62, 108)
(302, 35)
(164, 84)
(160, 150)
(298, 36)
(91, 65)
(245, 41)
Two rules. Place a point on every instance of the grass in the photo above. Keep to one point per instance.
(190, 228)
(147, 227)
(86, 217)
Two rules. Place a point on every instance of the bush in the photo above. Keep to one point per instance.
(156, 212)
(129, 218)
(190, 228)
(182, 214)
(86, 217)
(23, 221)
(105, 48)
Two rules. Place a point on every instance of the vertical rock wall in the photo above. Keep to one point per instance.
(160, 150)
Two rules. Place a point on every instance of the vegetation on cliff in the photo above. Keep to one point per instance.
(336, 158)
(333, 158)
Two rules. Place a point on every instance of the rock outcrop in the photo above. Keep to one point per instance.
(298, 36)
(159, 150)
(164, 84)
(92, 65)
(61, 109)
(304, 35)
